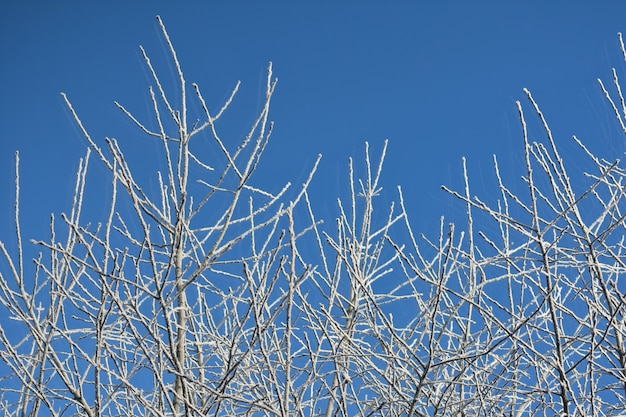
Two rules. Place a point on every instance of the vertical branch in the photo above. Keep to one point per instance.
(182, 120)
(20, 255)
(291, 282)
(181, 225)
(549, 290)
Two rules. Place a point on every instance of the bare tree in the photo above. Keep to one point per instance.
(197, 299)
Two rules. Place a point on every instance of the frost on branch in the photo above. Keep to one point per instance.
(197, 298)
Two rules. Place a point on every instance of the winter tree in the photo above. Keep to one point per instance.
(198, 299)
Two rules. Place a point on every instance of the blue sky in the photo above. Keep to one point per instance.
(438, 79)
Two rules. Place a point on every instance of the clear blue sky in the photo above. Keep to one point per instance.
(438, 79)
